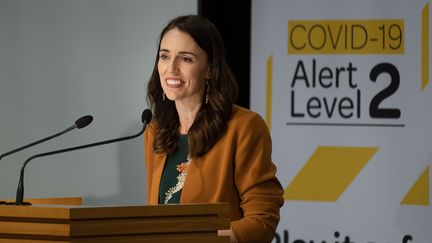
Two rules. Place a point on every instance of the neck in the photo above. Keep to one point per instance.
(187, 114)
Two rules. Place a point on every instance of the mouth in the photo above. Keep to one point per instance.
(174, 82)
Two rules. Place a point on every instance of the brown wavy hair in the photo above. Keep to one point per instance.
(212, 119)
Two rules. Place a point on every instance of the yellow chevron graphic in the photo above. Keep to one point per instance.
(269, 91)
(425, 47)
(328, 173)
(419, 192)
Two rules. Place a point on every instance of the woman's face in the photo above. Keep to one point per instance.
(183, 68)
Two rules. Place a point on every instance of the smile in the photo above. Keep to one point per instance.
(173, 81)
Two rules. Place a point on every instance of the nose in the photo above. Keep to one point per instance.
(173, 66)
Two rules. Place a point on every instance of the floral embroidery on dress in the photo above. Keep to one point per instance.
(183, 169)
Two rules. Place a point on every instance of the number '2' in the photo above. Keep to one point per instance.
(374, 110)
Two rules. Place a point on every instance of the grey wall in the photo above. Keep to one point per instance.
(60, 60)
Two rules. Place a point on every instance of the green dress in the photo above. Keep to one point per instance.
(174, 173)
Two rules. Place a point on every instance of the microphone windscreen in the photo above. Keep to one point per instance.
(146, 116)
(83, 121)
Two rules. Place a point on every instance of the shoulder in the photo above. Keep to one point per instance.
(244, 117)
(245, 122)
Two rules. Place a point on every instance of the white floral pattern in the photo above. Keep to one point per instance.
(183, 169)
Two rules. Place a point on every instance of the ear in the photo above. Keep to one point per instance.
(207, 76)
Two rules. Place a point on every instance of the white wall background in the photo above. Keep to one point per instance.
(60, 60)
(370, 207)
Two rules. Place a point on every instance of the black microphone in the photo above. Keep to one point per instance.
(80, 123)
(145, 117)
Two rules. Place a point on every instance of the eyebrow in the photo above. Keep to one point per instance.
(182, 52)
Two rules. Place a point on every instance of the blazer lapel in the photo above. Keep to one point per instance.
(159, 163)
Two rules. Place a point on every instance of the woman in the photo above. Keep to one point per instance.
(200, 147)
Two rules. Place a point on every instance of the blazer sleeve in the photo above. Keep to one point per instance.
(255, 178)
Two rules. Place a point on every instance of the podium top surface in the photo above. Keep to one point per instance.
(73, 212)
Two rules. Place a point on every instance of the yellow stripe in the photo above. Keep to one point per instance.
(346, 36)
(419, 192)
(269, 91)
(425, 47)
(328, 173)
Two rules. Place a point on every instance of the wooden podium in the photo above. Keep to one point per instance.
(52, 223)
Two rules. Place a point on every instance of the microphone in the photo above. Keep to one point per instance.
(80, 123)
(145, 117)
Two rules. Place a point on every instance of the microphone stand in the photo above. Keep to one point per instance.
(20, 189)
(32, 144)
(80, 123)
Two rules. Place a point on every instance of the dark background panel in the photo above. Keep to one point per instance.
(233, 20)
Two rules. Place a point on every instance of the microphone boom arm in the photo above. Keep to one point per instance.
(80, 123)
(38, 142)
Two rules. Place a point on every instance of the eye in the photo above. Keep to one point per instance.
(187, 59)
(163, 56)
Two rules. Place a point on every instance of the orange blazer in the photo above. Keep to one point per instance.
(237, 169)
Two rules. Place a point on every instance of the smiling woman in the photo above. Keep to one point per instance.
(200, 147)
(182, 66)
